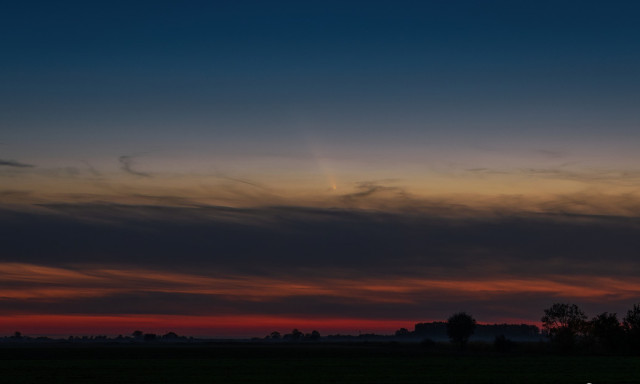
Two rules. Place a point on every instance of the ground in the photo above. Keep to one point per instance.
(317, 363)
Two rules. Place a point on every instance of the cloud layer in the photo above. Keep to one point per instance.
(293, 262)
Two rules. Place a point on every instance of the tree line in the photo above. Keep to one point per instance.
(565, 325)
(568, 329)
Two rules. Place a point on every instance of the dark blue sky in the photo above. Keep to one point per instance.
(258, 68)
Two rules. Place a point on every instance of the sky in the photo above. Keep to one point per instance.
(231, 168)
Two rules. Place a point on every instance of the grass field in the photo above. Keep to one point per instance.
(246, 363)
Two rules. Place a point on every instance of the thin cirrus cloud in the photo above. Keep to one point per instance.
(412, 187)
(15, 164)
(629, 177)
(49, 283)
(127, 164)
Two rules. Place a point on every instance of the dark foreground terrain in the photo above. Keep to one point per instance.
(312, 363)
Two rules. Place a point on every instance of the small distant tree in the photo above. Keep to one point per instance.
(402, 332)
(564, 323)
(275, 335)
(137, 334)
(460, 327)
(313, 336)
(170, 336)
(295, 335)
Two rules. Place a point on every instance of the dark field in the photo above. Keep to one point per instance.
(249, 363)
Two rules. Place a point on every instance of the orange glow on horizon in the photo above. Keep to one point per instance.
(204, 326)
(243, 326)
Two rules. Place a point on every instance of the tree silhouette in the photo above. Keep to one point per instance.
(137, 334)
(563, 323)
(460, 327)
(314, 335)
(170, 336)
(631, 324)
(295, 335)
(275, 335)
(606, 331)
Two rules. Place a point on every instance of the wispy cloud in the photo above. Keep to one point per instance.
(47, 282)
(373, 189)
(29, 288)
(127, 163)
(588, 176)
(16, 164)
(243, 181)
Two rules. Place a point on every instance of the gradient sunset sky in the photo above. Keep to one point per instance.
(230, 168)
